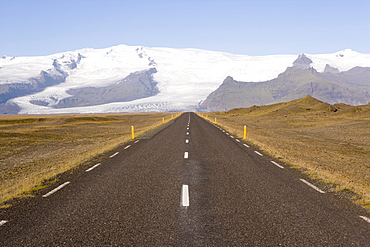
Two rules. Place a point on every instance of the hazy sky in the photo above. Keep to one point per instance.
(251, 27)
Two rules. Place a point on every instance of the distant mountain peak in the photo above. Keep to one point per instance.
(302, 62)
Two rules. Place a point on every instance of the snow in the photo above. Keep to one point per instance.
(185, 76)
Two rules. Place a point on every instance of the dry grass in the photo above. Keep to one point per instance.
(331, 146)
(36, 148)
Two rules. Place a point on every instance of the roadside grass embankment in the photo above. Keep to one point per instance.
(333, 147)
(34, 149)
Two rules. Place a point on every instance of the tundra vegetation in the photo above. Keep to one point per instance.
(34, 149)
(329, 142)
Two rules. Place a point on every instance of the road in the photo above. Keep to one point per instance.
(192, 184)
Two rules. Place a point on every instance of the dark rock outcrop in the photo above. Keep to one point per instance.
(302, 62)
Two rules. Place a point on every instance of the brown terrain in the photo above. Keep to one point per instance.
(329, 142)
(33, 149)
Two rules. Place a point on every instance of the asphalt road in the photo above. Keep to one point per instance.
(189, 185)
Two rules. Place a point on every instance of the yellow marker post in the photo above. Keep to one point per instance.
(245, 132)
(132, 132)
(215, 120)
(163, 120)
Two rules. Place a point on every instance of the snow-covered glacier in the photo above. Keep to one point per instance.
(184, 77)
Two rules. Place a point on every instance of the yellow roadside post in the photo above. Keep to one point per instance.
(163, 120)
(215, 120)
(245, 132)
(132, 132)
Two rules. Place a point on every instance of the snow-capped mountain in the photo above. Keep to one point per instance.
(169, 79)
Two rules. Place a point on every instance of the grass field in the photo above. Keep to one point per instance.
(331, 143)
(34, 149)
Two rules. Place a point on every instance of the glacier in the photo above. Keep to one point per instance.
(185, 77)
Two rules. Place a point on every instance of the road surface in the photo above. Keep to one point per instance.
(192, 184)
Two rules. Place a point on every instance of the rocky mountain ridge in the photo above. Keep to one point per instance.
(350, 87)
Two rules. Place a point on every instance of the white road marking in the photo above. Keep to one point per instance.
(186, 155)
(56, 189)
(136, 141)
(127, 146)
(227, 134)
(93, 167)
(187, 128)
(365, 219)
(113, 154)
(231, 136)
(312, 186)
(237, 140)
(246, 145)
(187, 133)
(3, 222)
(185, 196)
(258, 153)
(223, 131)
(187, 141)
(273, 162)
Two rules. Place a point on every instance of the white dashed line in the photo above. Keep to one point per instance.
(187, 141)
(227, 134)
(187, 133)
(113, 154)
(365, 219)
(231, 136)
(185, 195)
(56, 189)
(93, 167)
(3, 222)
(136, 141)
(312, 186)
(273, 162)
(237, 140)
(186, 155)
(187, 128)
(258, 153)
(127, 147)
(246, 145)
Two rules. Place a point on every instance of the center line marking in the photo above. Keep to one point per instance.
(246, 145)
(127, 147)
(187, 133)
(93, 167)
(3, 222)
(56, 189)
(113, 155)
(185, 196)
(258, 153)
(186, 155)
(312, 186)
(273, 162)
(187, 141)
(365, 219)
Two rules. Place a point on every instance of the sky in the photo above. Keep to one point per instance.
(249, 27)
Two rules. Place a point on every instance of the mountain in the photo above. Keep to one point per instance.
(143, 79)
(350, 87)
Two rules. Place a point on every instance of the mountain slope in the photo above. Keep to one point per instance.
(350, 87)
(91, 80)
